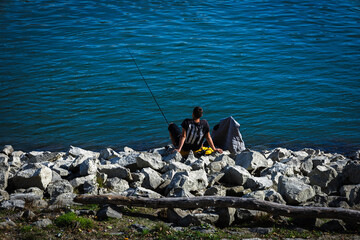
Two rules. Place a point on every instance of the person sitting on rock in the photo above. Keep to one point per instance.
(193, 133)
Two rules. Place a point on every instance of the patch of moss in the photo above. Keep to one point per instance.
(70, 219)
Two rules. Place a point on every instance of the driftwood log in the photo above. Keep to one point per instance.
(223, 202)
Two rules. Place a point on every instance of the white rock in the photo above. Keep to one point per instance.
(76, 151)
(294, 191)
(117, 185)
(258, 183)
(88, 167)
(252, 160)
(236, 175)
(33, 175)
(152, 178)
(322, 176)
(140, 192)
(279, 153)
(221, 162)
(152, 160)
(114, 170)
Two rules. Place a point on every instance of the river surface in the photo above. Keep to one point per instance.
(287, 71)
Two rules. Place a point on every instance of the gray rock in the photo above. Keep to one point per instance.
(177, 167)
(137, 179)
(8, 150)
(34, 190)
(320, 160)
(189, 181)
(306, 166)
(322, 176)
(294, 163)
(272, 196)
(226, 216)
(115, 170)
(258, 183)
(237, 191)
(59, 187)
(295, 191)
(176, 157)
(179, 192)
(215, 178)
(339, 165)
(140, 192)
(109, 211)
(152, 160)
(152, 178)
(63, 200)
(42, 223)
(33, 175)
(76, 152)
(221, 162)
(13, 204)
(259, 195)
(278, 170)
(4, 195)
(4, 171)
(88, 167)
(252, 160)
(352, 193)
(197, 219)
(28, 214)
(127, 160)
(108, 153)
(39, 156)
(55, 176)
(279, 153)
(236, 175)
(169, 175)
(77, 182)
(117, 185)
(301, 155)
(217, 190)
(90, 187)
(351, 172)
(245, 215)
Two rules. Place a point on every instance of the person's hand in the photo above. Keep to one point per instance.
(219, 150)
(176, 150)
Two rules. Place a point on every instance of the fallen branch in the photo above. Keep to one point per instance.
(223, 202)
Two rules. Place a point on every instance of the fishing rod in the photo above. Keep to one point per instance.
(147, 85)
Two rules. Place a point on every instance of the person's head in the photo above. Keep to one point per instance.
(197, 112)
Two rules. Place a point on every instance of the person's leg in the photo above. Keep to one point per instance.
(175, 133)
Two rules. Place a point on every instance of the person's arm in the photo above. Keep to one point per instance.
(211, 143)
(182, 140)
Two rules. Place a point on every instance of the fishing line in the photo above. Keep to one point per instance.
(147, 86)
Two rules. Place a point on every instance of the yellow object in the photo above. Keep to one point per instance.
(207, 150)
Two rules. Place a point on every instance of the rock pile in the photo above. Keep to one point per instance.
(307, 178)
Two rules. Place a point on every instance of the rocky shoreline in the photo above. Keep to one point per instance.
(51, 180)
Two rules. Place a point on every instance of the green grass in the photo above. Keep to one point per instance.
(70, 219)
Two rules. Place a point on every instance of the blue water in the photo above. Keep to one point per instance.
(287, 71)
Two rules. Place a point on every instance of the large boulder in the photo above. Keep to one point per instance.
(258, 183)
(152, 178)
(221, 162)
(279, 153)
(177, 167)
(88, 167)
(152, 160)
(108, 153)
(252, 160)
(277, 170)
(189, 181)
(351, 172)
(32, 175)
(116, 185)
(127, 160)
(352, 193)
(236, 175)
(322, 176)
(114, 170)
(295, 191)
(39, 156)
(59, 187)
